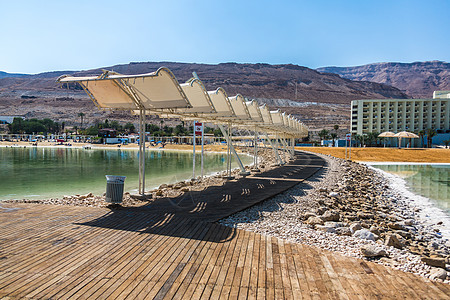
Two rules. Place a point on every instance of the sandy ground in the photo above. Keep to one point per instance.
(419, 155)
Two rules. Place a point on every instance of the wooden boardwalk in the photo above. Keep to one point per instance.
(60, 252)
(217, 202)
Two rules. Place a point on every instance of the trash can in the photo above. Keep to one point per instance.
(114, 188)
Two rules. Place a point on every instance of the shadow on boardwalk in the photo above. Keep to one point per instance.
(164, 215)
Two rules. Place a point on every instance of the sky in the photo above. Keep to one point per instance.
(41, 36)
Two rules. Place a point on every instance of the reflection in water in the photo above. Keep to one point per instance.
(431, 181)
(53, 172)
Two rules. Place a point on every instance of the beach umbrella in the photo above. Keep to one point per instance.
(405, 134)
(386, 134)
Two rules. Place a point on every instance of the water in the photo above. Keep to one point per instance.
(430, 181)
(40, 172)
(425, 186)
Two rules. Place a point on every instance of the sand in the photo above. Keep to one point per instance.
(419, 155)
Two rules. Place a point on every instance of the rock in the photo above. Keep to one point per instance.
(185, 189)
(438, 273)
(363, 215)
(333, 224)
(314, 221)
(372, 251)
(365, 234)
(163, 186)
(396, 226)
(355, 226)
(309, 214)
(343, 231)
(158, 193)
(393, 241)
(321, 210)
(434, 262)
(331, 215)
(325, 229)
(333, 194)
(408, 222)
(374, 230)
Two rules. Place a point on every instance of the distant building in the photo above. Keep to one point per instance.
(402, 114)
(8, 119)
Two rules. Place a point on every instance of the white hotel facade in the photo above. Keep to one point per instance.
(398, 115)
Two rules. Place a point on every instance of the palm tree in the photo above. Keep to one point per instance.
(421, 134)
(430, 134)
(81, 115)
(323, 134)
(333, 136)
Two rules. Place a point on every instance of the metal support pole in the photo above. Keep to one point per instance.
(193, 154)
(203, 142)
(283, 141)
(142, 151)
(232, 150)
(255, 155)
(293, 146)
(277, 145)
(280, 161)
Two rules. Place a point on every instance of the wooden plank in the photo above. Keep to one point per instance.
(292, 272)
(225, 265)
(285, 278)
(237, 277)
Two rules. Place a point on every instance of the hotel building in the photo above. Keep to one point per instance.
(401, 114)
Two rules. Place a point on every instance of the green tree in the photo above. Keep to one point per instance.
(421, 135)
(333, 136)
(129, 127)
(81, 115)
(323, 134)
(151, 128)
(430, 134)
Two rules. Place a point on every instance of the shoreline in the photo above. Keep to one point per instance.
(266, 161)
(352, 210)
(425, 205)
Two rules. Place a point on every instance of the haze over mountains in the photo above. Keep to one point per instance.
(418, 79)
(319, 99)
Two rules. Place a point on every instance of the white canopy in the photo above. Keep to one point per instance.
(160, 93)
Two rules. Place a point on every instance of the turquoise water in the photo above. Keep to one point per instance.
(430, 181)
(40, 173)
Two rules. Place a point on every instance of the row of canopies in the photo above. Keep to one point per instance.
(160, 93)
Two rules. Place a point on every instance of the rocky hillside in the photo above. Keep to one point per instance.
(418, 79)
(40, 96)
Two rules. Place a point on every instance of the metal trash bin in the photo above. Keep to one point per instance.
(114, 188)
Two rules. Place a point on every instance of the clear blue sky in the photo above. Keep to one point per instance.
(38, 36)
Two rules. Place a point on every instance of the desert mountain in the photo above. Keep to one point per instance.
(418, 79)
(40, 96)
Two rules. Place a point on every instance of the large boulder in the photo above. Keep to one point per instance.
(326, 228)
(372, 251)
(343, 231)
(438, 273)
(314, 221)
(365, 235)
(355, 227)
(331, 215)
(393, 241)
(434, 262)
